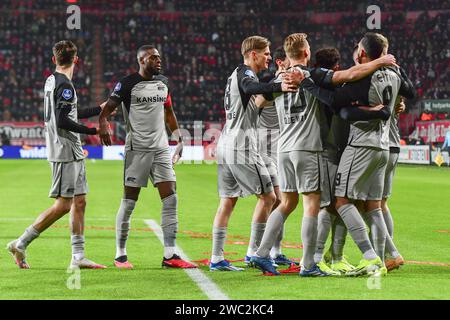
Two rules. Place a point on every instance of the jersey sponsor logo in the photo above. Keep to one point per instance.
(161, 88)
(67, 94)
(118, 86)
(151, 99)
(294, 119)
(250, 73)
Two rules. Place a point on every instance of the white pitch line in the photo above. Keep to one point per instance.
(32, 219)
(209, 288)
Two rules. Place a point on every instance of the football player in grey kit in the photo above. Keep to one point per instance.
(268, 135)
(334, 136)
(361, 171)
(241, 170)
(393, 258)
(66, 157)
(147, 108)
(300, 154)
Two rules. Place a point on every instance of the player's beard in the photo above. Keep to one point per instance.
(153, 71)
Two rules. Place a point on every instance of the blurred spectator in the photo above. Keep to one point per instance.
(446, 144)
(199, 42)
(426, 116)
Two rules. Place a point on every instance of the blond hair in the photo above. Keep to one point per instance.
(254, 43)
(294, 44)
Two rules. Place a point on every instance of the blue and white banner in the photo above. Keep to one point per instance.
(40, 152)
(190, 153)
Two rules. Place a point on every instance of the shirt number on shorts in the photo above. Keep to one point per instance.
(338, 179)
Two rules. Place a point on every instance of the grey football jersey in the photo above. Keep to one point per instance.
(337, 138)
(268, 118)
(62, 145)
(299, 119)
(382, 87)
(394, 131)
(268, 130)
(143, 102)
(240, 130)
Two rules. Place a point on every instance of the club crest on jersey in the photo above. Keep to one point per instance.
(118, 86)
(250, 73)
(67, 94)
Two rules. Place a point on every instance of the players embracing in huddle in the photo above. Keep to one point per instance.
(308, 119)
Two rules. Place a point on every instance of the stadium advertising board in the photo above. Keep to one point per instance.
(433, 131)
(414, 154)
(40, 152)
(33, 133)
(19, 133)
(442, 105)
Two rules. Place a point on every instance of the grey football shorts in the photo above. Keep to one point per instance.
(272, 167)
(328, 183)
(140, 166)
(360, 174)
(68, 179)
(389, 175)
(300, 171)
(243, 177)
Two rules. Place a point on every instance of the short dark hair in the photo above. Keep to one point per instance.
(279, 53)
(374, 44)
(145, 48)
(327, 58)
(64, 52)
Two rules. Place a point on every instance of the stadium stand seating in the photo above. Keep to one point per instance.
(200, 45)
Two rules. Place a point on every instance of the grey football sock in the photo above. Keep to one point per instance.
(273, 228)
(169, 220)
(338, 235)
(323, 229)
(389, 222)
(276, 250)
(255, 237)
(309, 239)
(357, 229)
(378, 230)
(218, 236)
(123, 225)
(77, 246)
(390, 247)
(25, 239)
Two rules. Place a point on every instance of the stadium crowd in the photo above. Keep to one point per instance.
(199, 51)
(25, 62)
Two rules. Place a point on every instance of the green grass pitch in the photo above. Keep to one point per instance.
(420, 206)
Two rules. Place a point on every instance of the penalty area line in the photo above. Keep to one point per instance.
(206, 285)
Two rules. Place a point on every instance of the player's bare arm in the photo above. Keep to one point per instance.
(355, 73)
(108, 108)
(172, 124)
(400, 107)
(261, 102)
(360, 71)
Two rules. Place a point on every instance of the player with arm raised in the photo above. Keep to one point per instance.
(393, 258)
(268, 135)
(299, 153)
(65, 154)
(361, 171)
(241, 170)
(147, 108)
